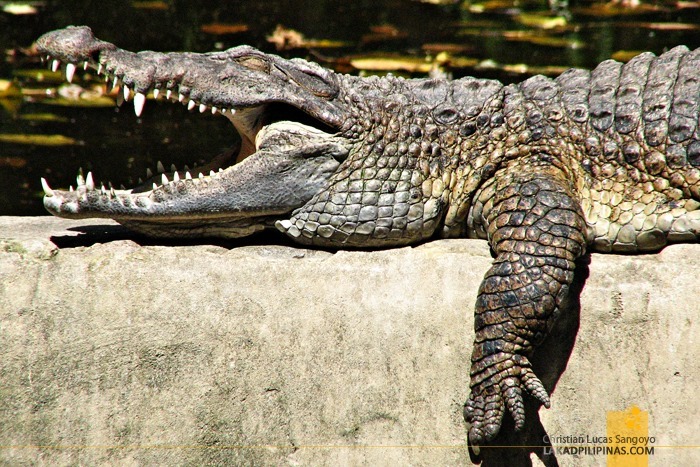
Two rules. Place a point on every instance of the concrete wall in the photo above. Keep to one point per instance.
(120, 352)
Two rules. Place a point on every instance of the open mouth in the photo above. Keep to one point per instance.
(288, 146)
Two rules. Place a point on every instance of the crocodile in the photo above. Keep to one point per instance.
(546, 170)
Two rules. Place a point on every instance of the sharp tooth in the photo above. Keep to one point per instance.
(99, 69)
(181, 97)
(155, 187)
(233, 111)
(156, 93)
(214, 110)
(149, 173)
(127, 92)
(190, 105)
(201, 175)
(220, 170)
(54, 65)
(89, 182)
(102, 189)
(188, 176)
(176, 177)
(45, 185)
(211, 173)
(70, 188)
(112, 192)
(139, 102)
(202, 108)
(159, 167)
(223, 110)
(80, 180)
(70, 72)
(85, 65)
(164, 179)
(115, 83)
(168, 94)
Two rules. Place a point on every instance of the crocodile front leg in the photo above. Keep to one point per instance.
(536, 229)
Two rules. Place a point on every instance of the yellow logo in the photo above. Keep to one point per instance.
(628, 438)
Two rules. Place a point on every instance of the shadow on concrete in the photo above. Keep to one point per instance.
(549, 362)
(89, 235)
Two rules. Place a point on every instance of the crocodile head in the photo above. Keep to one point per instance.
(287, 114)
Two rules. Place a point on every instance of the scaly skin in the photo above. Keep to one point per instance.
(545, 170)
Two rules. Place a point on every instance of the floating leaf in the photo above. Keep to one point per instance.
(285, 38)
(537, 38)
(19, 9)
(8, 89)
(439, 2)
(613, 9)
(221, 29)
(493, 6)
(102, 101)
(41, 75)
(37, 140)
(454, 62)
(625, 55)
(661, 26)
(449, 48)
(155, 5)
(10, 96)
(525, 69)
(289, 39)
(73, 95)
(541, 21)
(408, 64)
(43, 117)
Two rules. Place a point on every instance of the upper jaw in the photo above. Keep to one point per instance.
(220, 82)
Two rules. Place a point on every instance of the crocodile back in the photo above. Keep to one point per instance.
(642, 115)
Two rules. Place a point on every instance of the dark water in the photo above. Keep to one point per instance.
(47, 136)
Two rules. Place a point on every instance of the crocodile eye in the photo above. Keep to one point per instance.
(445, 114)
(254, 63)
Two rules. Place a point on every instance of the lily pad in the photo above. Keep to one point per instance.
(40, 74)
(19, 9)
(9, 89)
(221, 29)
(43, 117)
(625, 55)
(154, 5)
(102, 101)
(661, 26)
(537, 38)
(37, 139)
(388, 63)
(290, 39)
(541, 21)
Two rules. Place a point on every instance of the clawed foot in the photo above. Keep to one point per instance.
(497, 382)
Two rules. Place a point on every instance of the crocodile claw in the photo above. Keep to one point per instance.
(497, 387)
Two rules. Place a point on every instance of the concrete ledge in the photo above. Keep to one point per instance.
(118, 352)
